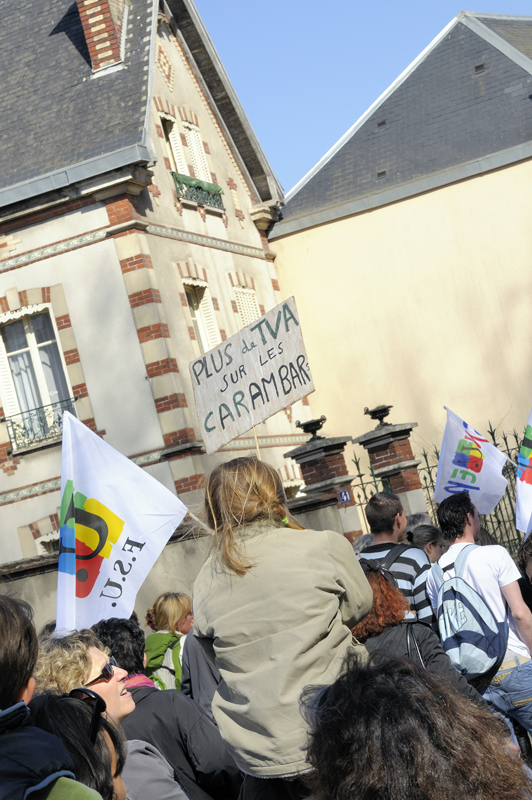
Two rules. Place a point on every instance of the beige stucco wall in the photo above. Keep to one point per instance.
(419, 304)
(174, 571)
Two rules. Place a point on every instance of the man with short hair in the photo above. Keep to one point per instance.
(30, 759)
(170, 721)
(387, 521)
(492, 573)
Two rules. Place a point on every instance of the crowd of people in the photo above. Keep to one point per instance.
(303, 667)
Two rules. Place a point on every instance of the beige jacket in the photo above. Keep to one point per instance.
(282, 626)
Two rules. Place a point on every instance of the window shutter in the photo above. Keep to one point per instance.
(208, 317)
(247, 305)
(177, 150)
(7, 387)
(197, 154)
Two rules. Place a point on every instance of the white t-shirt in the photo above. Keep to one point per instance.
(487, 569)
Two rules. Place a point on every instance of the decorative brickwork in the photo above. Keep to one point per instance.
(223, 335)
(183, 298)
(63, 322)
(71, 357)
(161, 367)
(169, 402)
(192, 334)
(102, 26)
(305, 401)
(46, 294)
(234, 306)
(165, 65)
(214, 178)
(215, 304)
(238, 278)
(182, 436)
(4, 305)
(159, 131)
(183, 139)
(231, 183)
(189, 484)
(121, 209)
(139, 261)
(7, 461)
(157, 331)
(143, 298)
(275, 284)
(80, 390)
(167, 163)
(261, 309)
(191, 270)
(206, 148)
(23, 298)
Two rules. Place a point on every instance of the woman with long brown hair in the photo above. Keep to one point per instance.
(273, 605)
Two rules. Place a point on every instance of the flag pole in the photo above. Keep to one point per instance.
(199, 522)
(257, 444)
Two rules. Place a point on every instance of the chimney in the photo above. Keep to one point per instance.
(102, 22)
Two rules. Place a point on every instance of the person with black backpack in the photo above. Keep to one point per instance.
(484, 624)
(409, 565)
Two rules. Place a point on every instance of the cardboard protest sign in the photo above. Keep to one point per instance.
(256, 373)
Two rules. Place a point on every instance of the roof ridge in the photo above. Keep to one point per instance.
(477, 26)
(491, 15)
(373, 107)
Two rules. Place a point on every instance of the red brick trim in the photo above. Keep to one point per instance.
(189, 484)
(90, 423)
(46, 294)
(80, 390)
(192, 334)
(163, 367)
(169, 402)
(23, 298)
(191, 270)
(41, 216)
(157, 331)
(182, 436)
(4, 305)
(121, 209)
(71, 356)
(144, 298)
(275, 284)
(139, 261)
(63, 322)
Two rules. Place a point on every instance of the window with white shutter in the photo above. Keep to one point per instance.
(247, 305)
(197, 156)
(173, 146)
(202, 314)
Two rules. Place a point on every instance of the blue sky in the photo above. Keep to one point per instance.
(306, 70)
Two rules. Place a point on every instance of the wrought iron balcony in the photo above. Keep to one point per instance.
(200, 192)
(38, 425)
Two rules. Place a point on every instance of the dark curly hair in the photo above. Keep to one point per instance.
(524, 554)
(396, 731)
(125, 639)
(452, 515)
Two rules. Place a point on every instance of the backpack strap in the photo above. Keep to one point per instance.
(437, 573)
(459, 564)
(394, 553)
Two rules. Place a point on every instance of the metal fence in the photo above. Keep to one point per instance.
(500, 523)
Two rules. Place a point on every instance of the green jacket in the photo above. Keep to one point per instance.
(66, 789)
(163, 669)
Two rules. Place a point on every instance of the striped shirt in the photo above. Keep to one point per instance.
(410, 571)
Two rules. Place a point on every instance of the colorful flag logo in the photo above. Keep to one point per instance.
(523, 486)
(469, 463)
(115, 521)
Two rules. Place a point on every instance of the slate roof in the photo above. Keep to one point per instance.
(466, 99)
(58, 123)
(61, 123)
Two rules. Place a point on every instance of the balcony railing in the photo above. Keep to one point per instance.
(37, 426)
(200, 192)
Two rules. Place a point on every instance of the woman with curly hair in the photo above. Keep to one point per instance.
(387, 632)
(395, 732)
(171, 618)
(273, 606)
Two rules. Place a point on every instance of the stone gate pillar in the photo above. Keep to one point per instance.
(391, 457)
(329, 501)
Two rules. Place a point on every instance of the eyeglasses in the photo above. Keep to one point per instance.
(106, 674)
(98, 708)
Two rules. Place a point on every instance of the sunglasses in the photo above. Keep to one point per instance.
(98, 707)
(106, 674)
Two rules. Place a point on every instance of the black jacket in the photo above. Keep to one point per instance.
(29, 758)
(188, 739)
(393, 641)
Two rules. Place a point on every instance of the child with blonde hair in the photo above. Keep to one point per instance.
(171, 618)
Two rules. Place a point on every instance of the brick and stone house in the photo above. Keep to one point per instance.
(416, 226)
(134, 200)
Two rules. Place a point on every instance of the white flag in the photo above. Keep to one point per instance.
(523, 484)
(115, 521)
(469, 463)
